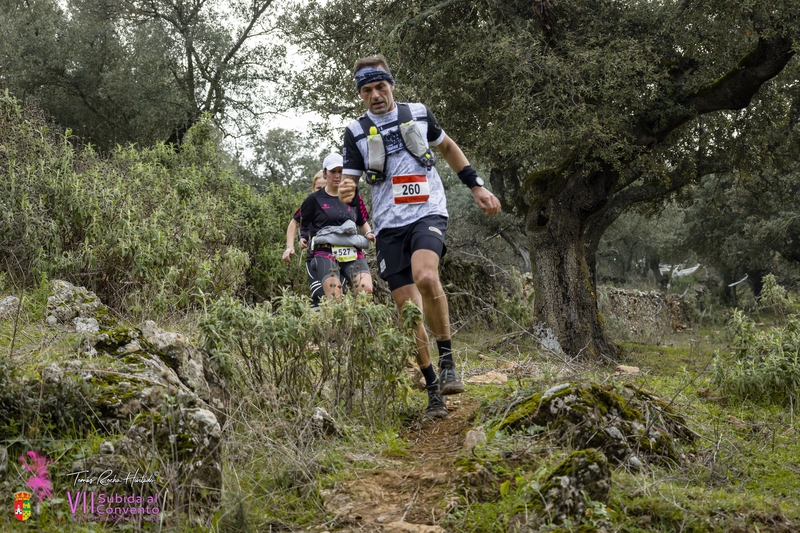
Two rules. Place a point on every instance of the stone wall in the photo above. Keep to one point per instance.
(644, 314)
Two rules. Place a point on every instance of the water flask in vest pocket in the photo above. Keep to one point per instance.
(416, 144)
(376, 155)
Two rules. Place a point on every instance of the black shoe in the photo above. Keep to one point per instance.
(449, 382)
(436, 405)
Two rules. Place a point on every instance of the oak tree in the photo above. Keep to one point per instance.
(581, 108)
(143, 70)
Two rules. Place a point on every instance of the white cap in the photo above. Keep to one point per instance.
(332, 161)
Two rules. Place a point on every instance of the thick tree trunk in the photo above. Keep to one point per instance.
(729, 295)
(654, 262)
(565, 297)
(591, 263)
(518, 249)
(756, 279)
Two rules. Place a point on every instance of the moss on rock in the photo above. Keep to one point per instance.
(582, 477)
(621, 423)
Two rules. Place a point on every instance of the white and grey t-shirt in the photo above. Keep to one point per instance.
(386, 211)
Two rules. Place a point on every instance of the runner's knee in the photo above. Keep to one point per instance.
(332, 286)
(427, 281)
(365, 287)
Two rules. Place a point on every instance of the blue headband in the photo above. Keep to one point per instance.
(370, 74)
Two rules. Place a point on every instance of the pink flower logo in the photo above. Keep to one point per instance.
(40, 481)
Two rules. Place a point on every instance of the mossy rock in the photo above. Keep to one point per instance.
(575, 401)
(187, 442)
(117, 396)
(479, 478)
(587, 470)
(184, 433)
(660, 412)
(68, 301)
(121, 342)
(623, 424)
(55, 404)
(582, 477)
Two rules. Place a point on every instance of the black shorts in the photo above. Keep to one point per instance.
(320, 268)
(395, 246)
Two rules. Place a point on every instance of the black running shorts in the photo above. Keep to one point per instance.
(395, 245)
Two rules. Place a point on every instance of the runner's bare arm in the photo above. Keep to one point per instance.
(291, 233)
(367, 232)
(451, 152)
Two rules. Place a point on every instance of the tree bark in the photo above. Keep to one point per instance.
(654, 262)
(565, 299)
(520, 250)
(729, 289)
(756, 279)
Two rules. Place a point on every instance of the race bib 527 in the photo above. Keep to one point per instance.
(344, 253)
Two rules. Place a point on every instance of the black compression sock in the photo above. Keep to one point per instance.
(445, 351)
(430, 376)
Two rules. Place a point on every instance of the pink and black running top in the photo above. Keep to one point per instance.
(320, 210)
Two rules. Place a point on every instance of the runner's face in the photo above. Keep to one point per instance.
(378, 96)
(320, 183)
(334, 177)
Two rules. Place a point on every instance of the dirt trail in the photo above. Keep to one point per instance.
(411, 493)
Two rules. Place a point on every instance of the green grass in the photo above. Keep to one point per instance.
(741, 474)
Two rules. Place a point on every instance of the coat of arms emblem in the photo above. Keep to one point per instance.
(22, 505)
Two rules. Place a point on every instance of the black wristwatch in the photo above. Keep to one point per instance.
(478, 182)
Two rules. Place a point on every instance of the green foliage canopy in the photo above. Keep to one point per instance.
(746, 224)
(582, 109)
(538, 82)
(141, 71)
(284, 158)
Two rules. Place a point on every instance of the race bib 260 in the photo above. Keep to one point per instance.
(410, 189)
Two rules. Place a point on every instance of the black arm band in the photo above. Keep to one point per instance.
(468, 176)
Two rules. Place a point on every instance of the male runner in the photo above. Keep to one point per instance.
(410, 213)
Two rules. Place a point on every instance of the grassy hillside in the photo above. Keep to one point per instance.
(172, 235)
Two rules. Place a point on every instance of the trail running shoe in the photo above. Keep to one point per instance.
(436, 405)
(449, 382)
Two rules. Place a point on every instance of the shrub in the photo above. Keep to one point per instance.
(763, 365)
(348, 356)
(775, 297)
(146, 229)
